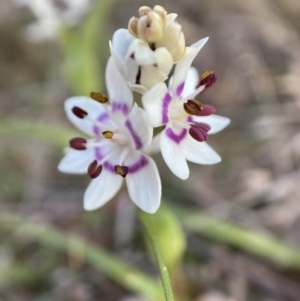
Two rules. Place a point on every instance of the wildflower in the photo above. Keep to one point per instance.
(116, 151)
(159, 30)
(188, 122)
(141, 67)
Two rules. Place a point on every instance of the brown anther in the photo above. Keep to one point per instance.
(121, 170)
(108, 134)
(208, 78)
(193, 106)
(99, 97)
(80, 113)
(78, 143)
(94, 170)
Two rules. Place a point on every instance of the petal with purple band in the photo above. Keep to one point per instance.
(76, 161)
(94, 109)
(120, 96)
(101, 190)
(216, 122)
(173, 155)
(177, 138)
(183, 66)
(143, 182)
(139, 129)
(156, 103)
(199, 152)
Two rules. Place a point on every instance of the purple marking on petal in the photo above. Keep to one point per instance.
(165, 108)
(99, 156)
(137, 140)
(177, 138)
(120, 106)
(102, 117)
(143, 161)
(110, 167)
(107, 165)
(179, 89)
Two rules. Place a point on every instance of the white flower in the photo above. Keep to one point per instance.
(51, 14)
(141, 67)
(120, 137)
(187, 121)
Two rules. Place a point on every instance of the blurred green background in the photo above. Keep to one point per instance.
(241, 217)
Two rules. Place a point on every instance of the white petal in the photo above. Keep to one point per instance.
(143, 182)
(199, 152)
(156, 103)
(76, 162)
(173, 154)
(163, 60)
(183, 66)
(121, 41)
(120, 96)
(139, 130)
(102, 189)
(155, 145)
(151, 75)
(170, 19)
(216, 122)
(137, 88)
(191, 82)
(95, 111)
(143, 55)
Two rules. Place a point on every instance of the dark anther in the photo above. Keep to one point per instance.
(199, 131)
(94, 170)
(99, 97)
(208, 78)
(80, 113)
(121, 170)
(207, 110)
(193, 106)
(78, 143)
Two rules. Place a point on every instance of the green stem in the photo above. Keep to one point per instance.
(112, 267)
(163, 270)
(260, 244)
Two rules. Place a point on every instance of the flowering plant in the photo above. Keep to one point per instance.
(141, 60)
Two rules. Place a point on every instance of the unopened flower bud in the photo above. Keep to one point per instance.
(149, 27)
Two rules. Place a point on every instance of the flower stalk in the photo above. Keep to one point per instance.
(149, 225)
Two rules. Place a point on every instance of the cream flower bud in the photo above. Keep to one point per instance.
(159, 30)
(173, 39)
(149, 27)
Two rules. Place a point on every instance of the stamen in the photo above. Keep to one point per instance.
(121, 170)
(199, 131)
(193, 106)
(208, 78)
(108, 134)
(94, 170)
(80, 113)
(78, 143)
(207, 110)
(99, 97)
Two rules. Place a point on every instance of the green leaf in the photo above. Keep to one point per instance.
(169, 234)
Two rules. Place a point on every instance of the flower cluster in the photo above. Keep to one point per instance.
(121, 142)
